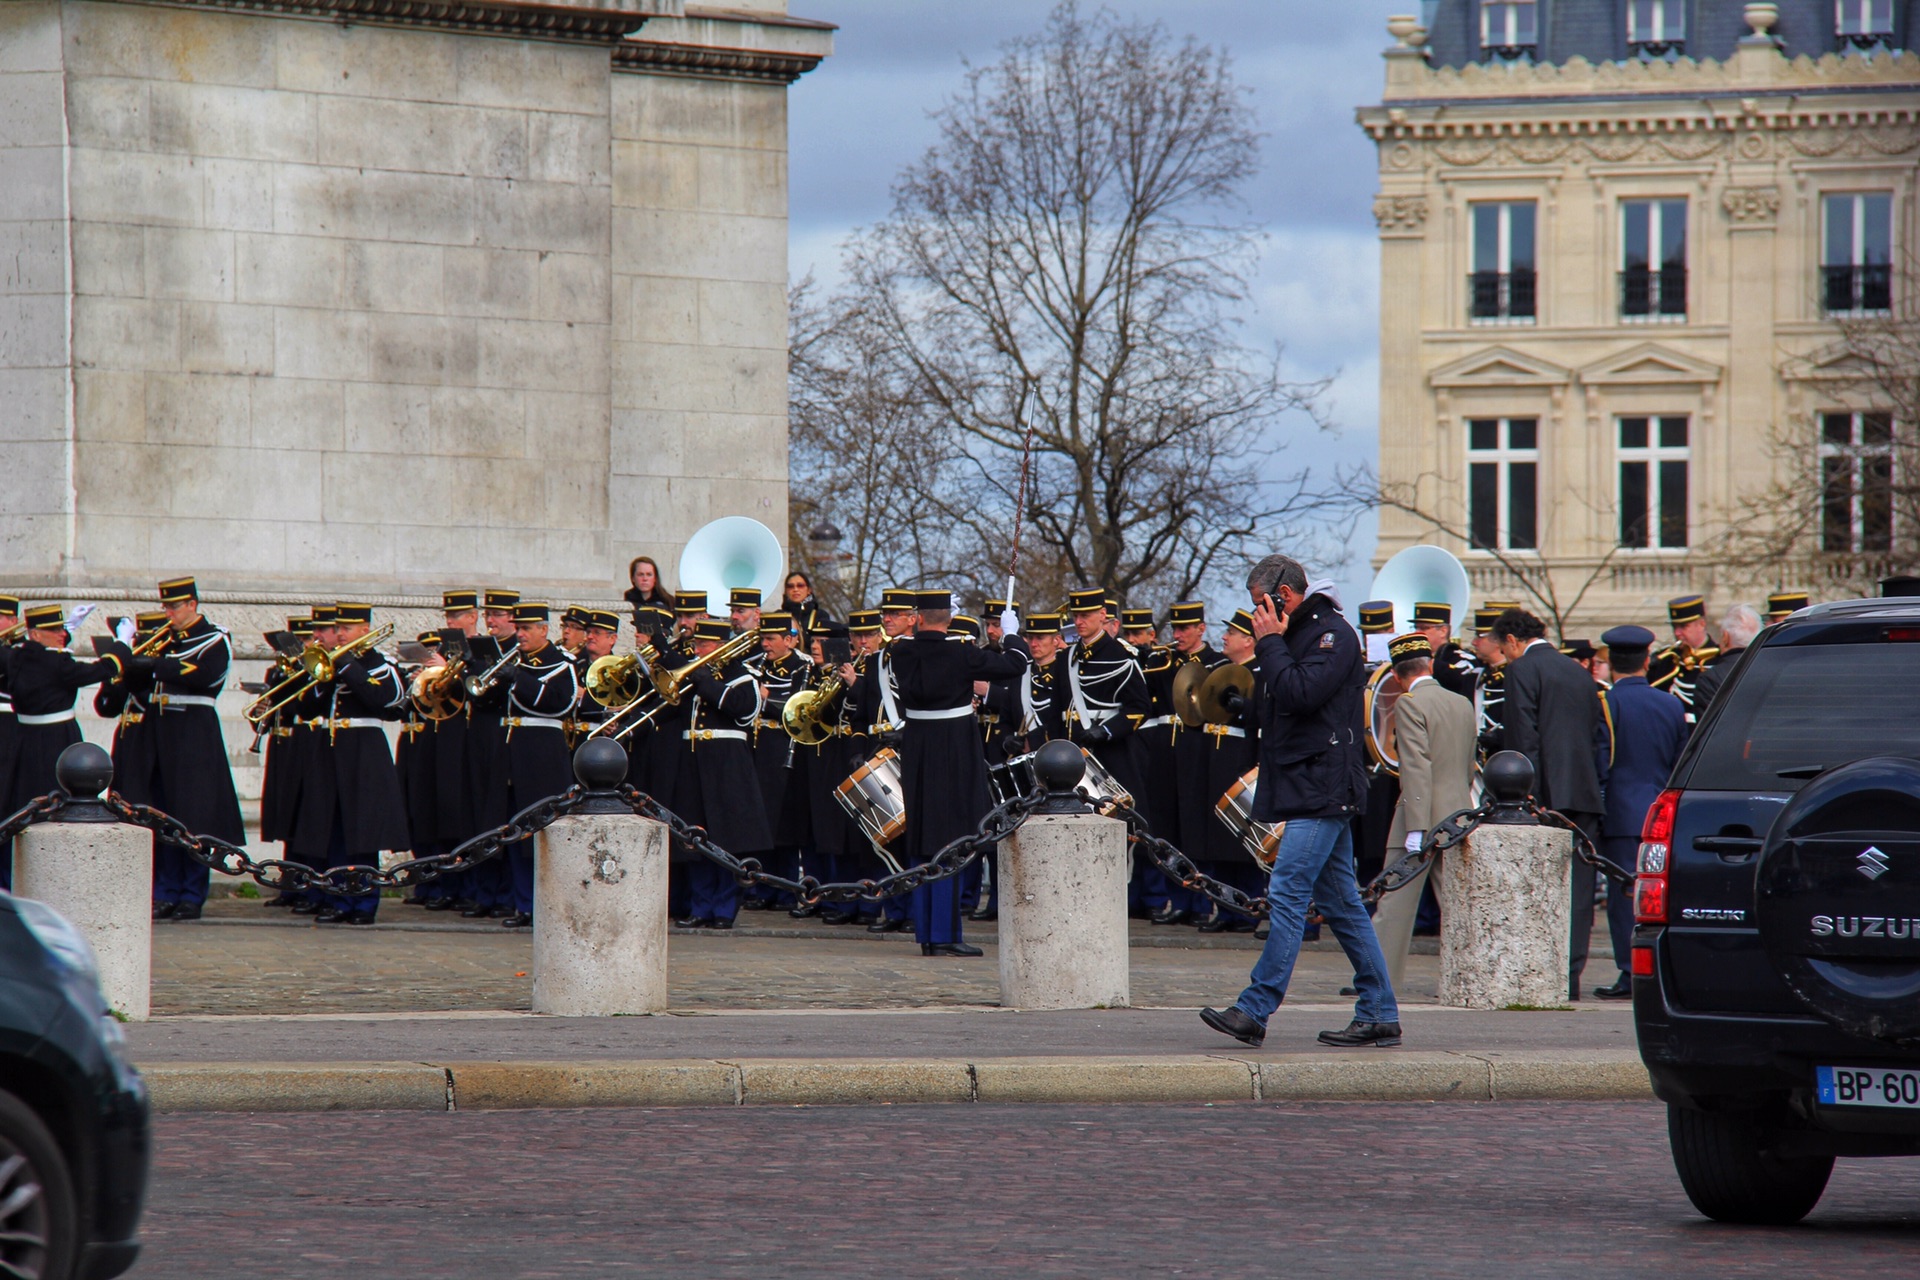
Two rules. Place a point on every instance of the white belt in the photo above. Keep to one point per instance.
(885, 726)
(1224, 730)
(705, 735)
(345, 722)
(1156, 722)
(951, 713)
(58, 717)
(165, 700)
(1095, 715)
(535, 722)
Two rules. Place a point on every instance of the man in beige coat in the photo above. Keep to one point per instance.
(1433, 733)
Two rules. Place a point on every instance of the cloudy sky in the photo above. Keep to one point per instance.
(865, 113)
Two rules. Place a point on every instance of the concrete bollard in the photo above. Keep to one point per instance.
(99, 875)
(1063, 900)
(600, 901)
(1506, 903)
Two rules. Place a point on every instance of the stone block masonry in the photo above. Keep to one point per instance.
(424, 296)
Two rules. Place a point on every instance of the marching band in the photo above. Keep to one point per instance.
(841, 750)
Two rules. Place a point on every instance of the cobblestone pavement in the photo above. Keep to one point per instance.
(1486, 1191)
(273, 964)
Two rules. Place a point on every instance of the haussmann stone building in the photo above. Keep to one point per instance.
(1616, 236)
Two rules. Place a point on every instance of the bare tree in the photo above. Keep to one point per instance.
(1843, 509)
(1057, 276)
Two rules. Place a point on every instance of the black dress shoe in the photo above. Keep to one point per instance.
(1349, 991)
(1359, 1034)
(281, 900)
(805, 911)
(690, 922)
(1218, 923)
(1168, 915)
(165, 910)
(984, 913)
(357, 917)
(884, 925)
(1261, 929)
(830, 916)
(517, 920)
(477, 912)
(1231, 1021)
(308, 908)
(1621, 990)
(186, 911)
(756, 904)
(720, 924)
(329, 915)
(442, 904)
(949, 949)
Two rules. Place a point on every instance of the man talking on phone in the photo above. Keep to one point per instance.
(1313, 778)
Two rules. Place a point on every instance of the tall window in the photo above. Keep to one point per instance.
(1653, 482)
(1509, 28)
(1656, 26)
(1653, 257)
(1856, 473)
(1503, 284)
(1503, 483)
(1863, 22)
(1857, 265)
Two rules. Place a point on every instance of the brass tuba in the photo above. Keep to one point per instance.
(805, 715)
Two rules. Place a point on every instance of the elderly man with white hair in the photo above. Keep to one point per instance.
(1737, 630)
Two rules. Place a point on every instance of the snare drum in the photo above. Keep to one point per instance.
(1012, 779)
(1235, 809)
(872, 797)
(1100, 788)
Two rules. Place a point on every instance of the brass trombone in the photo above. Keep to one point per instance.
(617, 678)
(316, 667)
(14, 633)
(805, 715)
(668, 688)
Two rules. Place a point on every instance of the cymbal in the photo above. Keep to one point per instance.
(1186, 687)
(1216, 700)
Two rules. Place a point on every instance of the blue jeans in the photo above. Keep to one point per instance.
(1315, 863)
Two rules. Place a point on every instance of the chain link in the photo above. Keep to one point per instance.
(37, 810)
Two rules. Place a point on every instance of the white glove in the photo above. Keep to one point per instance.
(1009, 623)
(79, 615)
(124, 633)
(1414, 840)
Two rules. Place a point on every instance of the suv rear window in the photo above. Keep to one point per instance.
(1804, 708)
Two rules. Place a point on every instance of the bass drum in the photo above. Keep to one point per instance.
(873, 797)
(1383, 691)
(1235, 810)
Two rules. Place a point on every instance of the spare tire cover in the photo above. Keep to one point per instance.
(1837, 897)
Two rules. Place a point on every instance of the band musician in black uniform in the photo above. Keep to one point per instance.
(540, 697)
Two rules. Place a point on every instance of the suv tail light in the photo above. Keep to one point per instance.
(1656, 856)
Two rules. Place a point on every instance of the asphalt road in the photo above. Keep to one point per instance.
(1481, 1191)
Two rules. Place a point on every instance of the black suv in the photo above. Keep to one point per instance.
(1777, 959)
(73, 1111)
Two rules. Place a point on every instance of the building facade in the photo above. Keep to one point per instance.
(1616, 240)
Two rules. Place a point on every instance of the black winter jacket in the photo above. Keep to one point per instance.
(1313, 758)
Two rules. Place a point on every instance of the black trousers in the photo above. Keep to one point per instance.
(1583, 884)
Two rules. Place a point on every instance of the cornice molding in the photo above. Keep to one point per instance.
(713, 62)
(563, 23)
(1412, 81)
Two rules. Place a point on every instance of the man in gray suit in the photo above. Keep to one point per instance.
(1553, 717)
(1433, 733)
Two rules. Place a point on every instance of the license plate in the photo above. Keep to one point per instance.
(1867, 1087)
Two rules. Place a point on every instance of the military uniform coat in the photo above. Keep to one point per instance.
(44, 683)
(1228, 755)
(542, 693)
(943, 770)
(195, 776)
(351, 782)
(1105, 687)
(135, 761)
(705, 762)
(781, 768)
(489, 799)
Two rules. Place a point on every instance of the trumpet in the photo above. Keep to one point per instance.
(805, 715)
(438, 693)
(478, 686)
(316, 667)
(154, 643)
(13, 633)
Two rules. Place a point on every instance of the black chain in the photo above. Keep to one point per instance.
(1001, 821)
(33, 811)
(348, 882)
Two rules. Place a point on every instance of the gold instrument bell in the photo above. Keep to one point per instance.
(805, 717)
(616, 680)
(439, 693)
(316, 667)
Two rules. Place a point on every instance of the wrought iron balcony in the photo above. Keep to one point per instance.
(1496, 296)
(1648, 294)
(1857, 288)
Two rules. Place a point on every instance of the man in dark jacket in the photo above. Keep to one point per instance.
(1553, 717)
(1313, 777)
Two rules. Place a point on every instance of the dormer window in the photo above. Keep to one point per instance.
(1656, 28)
(1509, 29)
(1867, 24)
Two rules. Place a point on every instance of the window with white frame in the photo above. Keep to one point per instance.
(1509, 28)
(1863, 22)
(1653, 260)
(1856, 482)
(1503, 483)
(1653, 482)
(1504, 286)
(1656, 26)
(1857, 257)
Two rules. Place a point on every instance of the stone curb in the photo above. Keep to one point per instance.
(1388, 1075)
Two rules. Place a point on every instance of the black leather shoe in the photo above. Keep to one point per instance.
(949, 949)
(720, 924)
(357, 917)
(1359, 1034)
(1168, 915)
(1349, 991)
(517, 920)
(830, 916)
(756, 904)
(477, 912)
(984, 913)
(1262, 929)
(308, 908)
(165, 910)
(330, 915)
(187, 911)
(805, 911)
(442, 904)
(280, 900)
(691, 922)
(884, 925)
(1220, 922)
(1232, 1022)
(1621, 990)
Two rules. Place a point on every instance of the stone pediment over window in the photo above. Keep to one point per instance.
(1651, 365)
(1500, 367)
(1835, 362)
